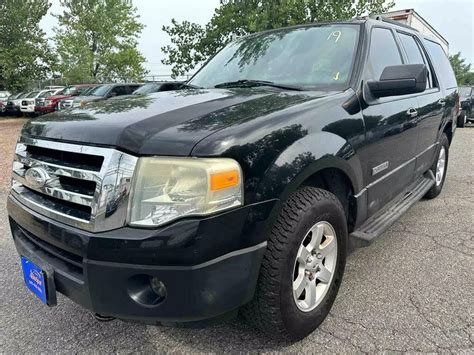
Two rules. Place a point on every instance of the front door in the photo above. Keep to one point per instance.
(391, 132)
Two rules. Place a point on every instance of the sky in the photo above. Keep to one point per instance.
(452, 18)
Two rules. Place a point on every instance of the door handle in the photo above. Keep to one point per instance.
(441, 102)
(412, 112)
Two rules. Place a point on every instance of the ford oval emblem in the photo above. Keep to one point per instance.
(36, 177)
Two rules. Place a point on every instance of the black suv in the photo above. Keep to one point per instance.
(246, 189)
(466, 98)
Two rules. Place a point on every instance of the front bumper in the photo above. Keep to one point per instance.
(209, 266)
(27, 109)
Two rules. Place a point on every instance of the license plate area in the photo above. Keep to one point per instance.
(39, 280)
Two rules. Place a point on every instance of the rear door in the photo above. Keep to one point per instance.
(390, 127)
(430, 104)
(440, 105)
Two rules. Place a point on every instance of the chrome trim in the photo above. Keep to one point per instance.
(53, 189)
(109, 203)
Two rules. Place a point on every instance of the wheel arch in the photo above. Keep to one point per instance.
(323, 160)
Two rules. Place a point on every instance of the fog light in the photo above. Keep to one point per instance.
(158, 287)
(146, 290)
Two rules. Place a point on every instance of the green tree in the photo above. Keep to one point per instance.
(97, 41)
(191, 43)
(462, 70)
(25, 55)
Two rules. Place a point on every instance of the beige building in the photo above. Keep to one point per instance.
(411, 18)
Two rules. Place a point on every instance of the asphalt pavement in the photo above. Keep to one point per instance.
(412, 290)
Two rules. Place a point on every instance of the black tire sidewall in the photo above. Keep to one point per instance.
(297, 322)
(462, 119)
(436, 190)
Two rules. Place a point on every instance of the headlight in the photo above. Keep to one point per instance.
(165, 189)
(78, 103)
(48, 103)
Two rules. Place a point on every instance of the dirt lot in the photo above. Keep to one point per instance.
(412, 290)
(9, 130)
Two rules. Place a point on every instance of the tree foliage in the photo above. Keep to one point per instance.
(462, 70)
(97, 41)
(24, 51)
(191, 43)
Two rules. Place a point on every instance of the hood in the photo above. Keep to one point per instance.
(163, 123)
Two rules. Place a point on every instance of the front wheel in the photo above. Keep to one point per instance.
(302, 267)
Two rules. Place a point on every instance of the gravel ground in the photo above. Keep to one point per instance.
(9, 129)
(412, 290)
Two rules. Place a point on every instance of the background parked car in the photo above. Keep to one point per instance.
(51, 103)
(28, 103)
(157, 87)
(3, 100)
(14, 102)
(466, 97)
(102, 92)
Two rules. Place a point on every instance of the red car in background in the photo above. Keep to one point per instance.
(49, 104)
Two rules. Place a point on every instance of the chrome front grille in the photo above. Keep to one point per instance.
(83, 186)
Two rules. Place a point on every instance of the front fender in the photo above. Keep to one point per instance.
(306, 157)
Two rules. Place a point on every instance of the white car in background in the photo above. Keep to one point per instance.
(28, 103)
(3, 100)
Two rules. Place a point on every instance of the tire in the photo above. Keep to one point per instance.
(274, 309)
(438, 186)
(462, 119)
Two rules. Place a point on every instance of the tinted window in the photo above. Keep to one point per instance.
(441, 63)
(309, 56)
(383, 52)
(120, 90)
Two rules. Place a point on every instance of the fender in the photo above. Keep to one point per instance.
(306, 157)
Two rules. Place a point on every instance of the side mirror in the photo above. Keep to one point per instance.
(400, 80)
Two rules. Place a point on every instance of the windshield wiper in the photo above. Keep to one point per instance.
(251, 83)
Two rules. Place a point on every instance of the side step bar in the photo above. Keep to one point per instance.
(381, 221)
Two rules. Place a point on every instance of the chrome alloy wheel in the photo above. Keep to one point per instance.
(441, 166)
(315, 266)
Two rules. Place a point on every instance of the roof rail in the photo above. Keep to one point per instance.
(396, 23)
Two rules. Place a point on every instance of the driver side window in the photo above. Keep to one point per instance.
(383, 52)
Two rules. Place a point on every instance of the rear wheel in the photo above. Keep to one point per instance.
(302, 267)
(439, 168)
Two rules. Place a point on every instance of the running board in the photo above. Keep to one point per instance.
(381, 221)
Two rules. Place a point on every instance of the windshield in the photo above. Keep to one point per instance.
(85, 90)
(100, 90)
(46, 94)
(318, 56)
(70, 90)
(147, 89)
(465, 91)
(32, 94)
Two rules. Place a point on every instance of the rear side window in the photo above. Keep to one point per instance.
(441, 62)
(383, 52)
